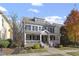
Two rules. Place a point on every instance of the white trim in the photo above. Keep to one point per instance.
(45, 32)
(49, 39)
(24, 39)
(40, 38)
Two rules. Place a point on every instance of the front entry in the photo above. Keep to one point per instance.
(52, 40)
(45, 39)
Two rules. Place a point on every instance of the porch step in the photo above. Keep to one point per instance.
(45, 45)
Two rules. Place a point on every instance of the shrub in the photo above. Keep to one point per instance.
(4, 43)
(10, 41)
(14, 45)
(28, 48)
(36, 46)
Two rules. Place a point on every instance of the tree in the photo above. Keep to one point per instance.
(16, 32)
(72, 26)
(64, 38)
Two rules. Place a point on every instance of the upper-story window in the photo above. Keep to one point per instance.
(27, 27)
(51, 29)
(32, 27)
(40, 28)
(35, 28)
(45, 28)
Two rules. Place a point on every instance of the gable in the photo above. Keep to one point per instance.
(7, 20)
(45, 32)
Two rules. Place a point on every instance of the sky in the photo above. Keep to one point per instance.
(52, 12)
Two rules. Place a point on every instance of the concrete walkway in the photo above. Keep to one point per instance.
(58, 52)
(55, 51)
(71, 50)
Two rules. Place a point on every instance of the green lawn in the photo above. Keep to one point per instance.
(74, 53)
(68, 48)
(55, 55)
(33, 51)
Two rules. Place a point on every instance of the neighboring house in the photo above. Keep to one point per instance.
(37, 30)
(5, 27)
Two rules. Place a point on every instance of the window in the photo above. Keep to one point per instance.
(28, 37)
(40, 28)
(45, 28)
(36, 37)
(54, 37)
(51, 29)
(35, 28)
(27, 27)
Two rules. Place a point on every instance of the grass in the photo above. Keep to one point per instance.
(68, 48)
(33, 51)
(74, 53)
(55, 55)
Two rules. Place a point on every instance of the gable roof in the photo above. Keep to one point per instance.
(45, 32)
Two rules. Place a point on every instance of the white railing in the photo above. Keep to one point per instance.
(32, 41)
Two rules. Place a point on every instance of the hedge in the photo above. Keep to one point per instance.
(36, 46)
(4, 43)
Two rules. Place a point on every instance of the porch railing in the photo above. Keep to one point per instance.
(32, 41)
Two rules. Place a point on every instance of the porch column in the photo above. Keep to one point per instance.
(58, 39)
(48, 39)
(40, 38)
(31, 27)
(25, 39)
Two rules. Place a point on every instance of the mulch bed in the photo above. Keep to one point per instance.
(7, 51)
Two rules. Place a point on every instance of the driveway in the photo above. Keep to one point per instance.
(55, 51)
(71, 50)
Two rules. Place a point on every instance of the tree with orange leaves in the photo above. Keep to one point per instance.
(72, 26)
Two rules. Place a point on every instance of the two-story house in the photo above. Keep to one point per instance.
(37, 30)
(5, 27)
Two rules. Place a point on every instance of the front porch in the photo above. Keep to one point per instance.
(31, 39)
(43, 37)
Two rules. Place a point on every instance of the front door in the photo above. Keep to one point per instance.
(45, 39)
(52, 39)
